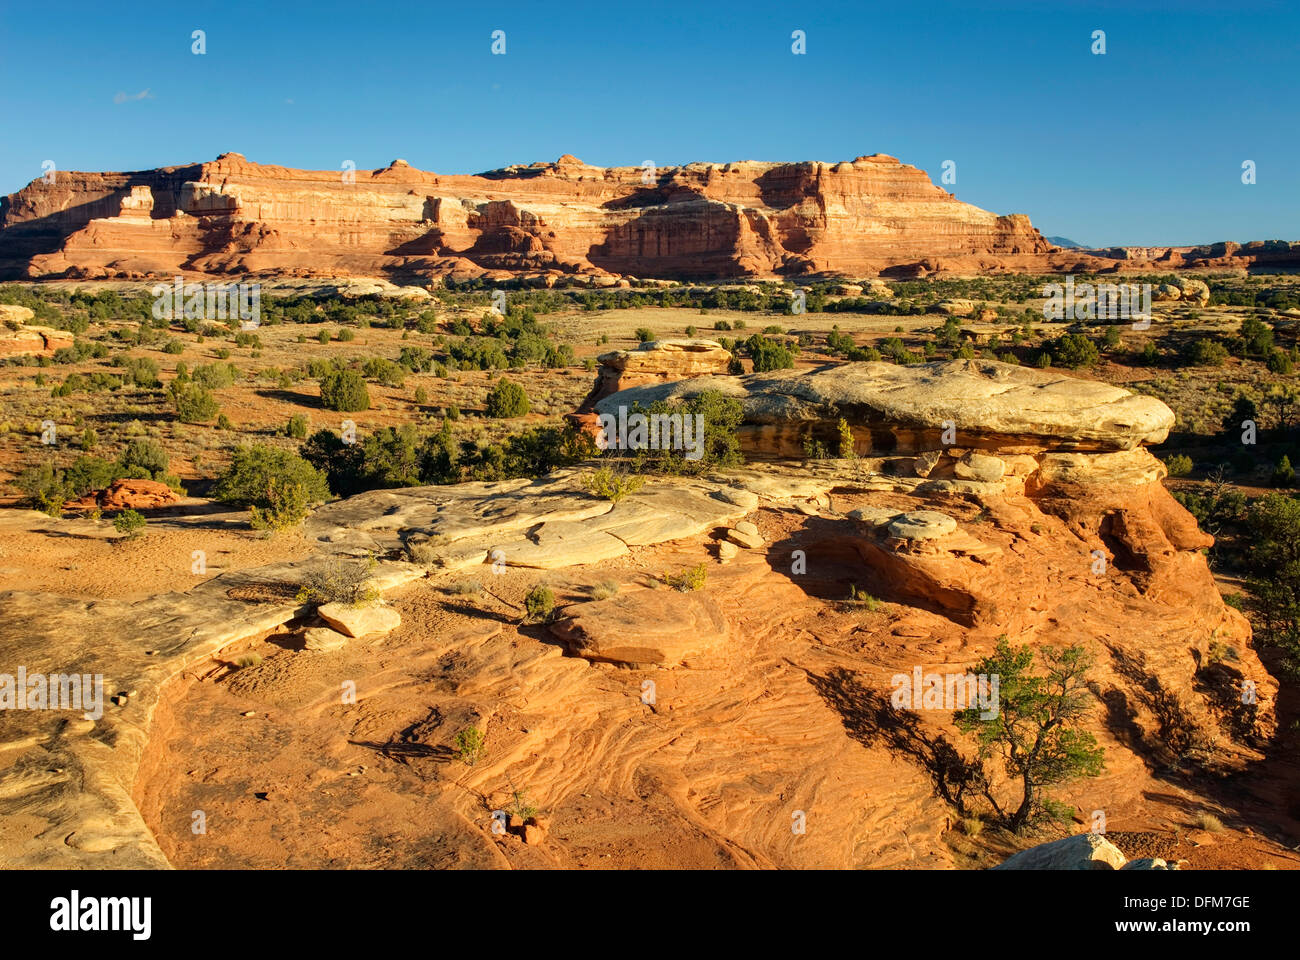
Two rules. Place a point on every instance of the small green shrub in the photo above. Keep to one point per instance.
(539, 604)
(605, 483)
(688, 579)
(130, 523)
(471, 746)
(507, 400)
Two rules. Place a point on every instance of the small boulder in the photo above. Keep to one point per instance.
(323, 640)
(360, 620)
(727, 550)
(980, 466)
(1084, 851)
(922, 525)
(750, 541)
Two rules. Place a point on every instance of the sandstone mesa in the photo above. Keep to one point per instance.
(541, 222)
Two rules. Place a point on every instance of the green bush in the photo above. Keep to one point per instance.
(539, 604)
(130, 523)
(144, 458)
(768, 354)
(689, 579)
(507, 400)
(608, 485)
(193, 403)
(644, 335)
(1074, 350)
(277, 482)
(1207, 353)
(1179, 465)
(344, 390)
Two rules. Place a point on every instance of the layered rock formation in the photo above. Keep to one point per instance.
(19, 336)
(1041, 517)
(922, 408)
(701, 220)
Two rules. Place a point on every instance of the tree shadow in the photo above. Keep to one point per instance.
(871, 719)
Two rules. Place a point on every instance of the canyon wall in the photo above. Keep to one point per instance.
(546, 220)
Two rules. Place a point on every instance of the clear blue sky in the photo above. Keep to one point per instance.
(1143, 145)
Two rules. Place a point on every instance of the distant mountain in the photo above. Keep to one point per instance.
(1064, 242)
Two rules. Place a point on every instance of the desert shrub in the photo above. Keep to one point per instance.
(1074, 350)
(297, 427)
(688, 579)
(1279, 362)
(609, 485)
(130, 523)
(644, 335)
(862, 599)
(323, 337)
(539, 604)
(720, 417)
(1208, 821)
(174, 347)
(144, 458)
(1283, 473)
(193, 403)
(45, 488)
(215, 376)
(340, 581)
(768, 354)
(848, 449)
(344, 335)
(1178, 465)
(279, 483)
(287, 504)
(470, 746)
(421, 396)
(141, 371)
(506, 400)
(1207, 353)
(223, 422)
(385, 371)
(344, 390)
(604, 590)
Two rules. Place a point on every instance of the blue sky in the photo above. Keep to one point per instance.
(1143, 145)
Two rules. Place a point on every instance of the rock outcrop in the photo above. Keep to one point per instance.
(703, 220)
(946, 405)
(20, 337)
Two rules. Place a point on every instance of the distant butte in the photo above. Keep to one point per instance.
(544, 222)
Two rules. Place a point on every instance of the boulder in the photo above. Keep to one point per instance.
(922, 525)
(323, 639)
(126, 494)
(1084, 851)
(645, 627)
(981, 467)
(361, 620)
(750, 541)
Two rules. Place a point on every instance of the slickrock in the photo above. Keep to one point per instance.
(643, 628)
(897, 409)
